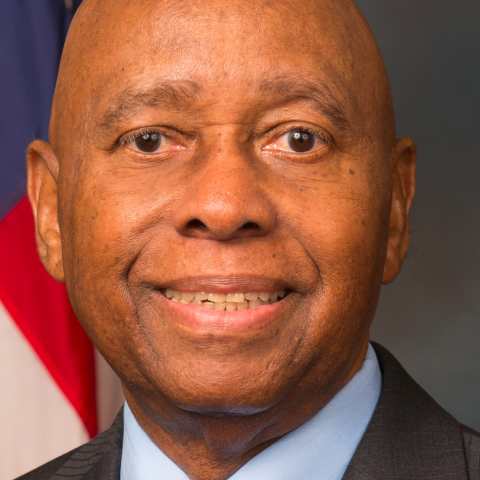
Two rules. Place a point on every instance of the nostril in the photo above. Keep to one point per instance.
(218, 231)
(250, 226)
(196, 223)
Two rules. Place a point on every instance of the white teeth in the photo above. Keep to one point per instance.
(217, 297)
(242, 305)
(235, 297)
(220, 306)
(221, 301)
(188, 296)
(264, 296)
(177, 295)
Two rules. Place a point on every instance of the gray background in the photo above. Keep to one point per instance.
(429, 317)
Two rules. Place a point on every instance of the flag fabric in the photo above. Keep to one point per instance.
(48, 380)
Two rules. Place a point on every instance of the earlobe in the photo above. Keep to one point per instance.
(403, 160)
(42, 170)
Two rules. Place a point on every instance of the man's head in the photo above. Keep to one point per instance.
(224, 147)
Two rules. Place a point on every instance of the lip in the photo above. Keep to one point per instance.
(227, 284)
(201, 318)
(205, 320)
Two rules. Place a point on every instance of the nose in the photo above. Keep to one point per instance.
(225, 199)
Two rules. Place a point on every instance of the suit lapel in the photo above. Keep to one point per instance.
(409, 436)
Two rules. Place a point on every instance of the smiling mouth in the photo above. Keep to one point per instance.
(224, 301)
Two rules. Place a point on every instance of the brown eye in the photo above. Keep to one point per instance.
(148, 142)
(301, 141)
(302, 145)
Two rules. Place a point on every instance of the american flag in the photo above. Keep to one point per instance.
(47, 363)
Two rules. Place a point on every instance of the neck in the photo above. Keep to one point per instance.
(214, 446)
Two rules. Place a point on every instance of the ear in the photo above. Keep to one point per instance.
(403, 160)
(42, 170)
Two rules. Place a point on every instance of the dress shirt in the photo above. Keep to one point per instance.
(320, 449)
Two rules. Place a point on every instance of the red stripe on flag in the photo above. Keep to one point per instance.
(40, 307)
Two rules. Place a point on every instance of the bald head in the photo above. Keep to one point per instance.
(114, 46)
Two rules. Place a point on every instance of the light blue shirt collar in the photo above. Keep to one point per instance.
(318, 450)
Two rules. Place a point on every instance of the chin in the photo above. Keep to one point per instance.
(225, 395)
(225, 411)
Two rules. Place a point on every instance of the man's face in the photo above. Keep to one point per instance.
(225, 151)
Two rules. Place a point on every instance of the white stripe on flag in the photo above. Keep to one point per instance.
(37, 422)
(109, 393)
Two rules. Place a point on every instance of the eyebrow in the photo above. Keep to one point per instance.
(289, 89)
(181, 94)
(174, 94)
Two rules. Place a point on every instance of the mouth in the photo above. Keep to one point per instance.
(225, 301)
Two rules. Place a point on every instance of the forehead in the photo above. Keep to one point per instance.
(214, 46)
(219, 54)
(171, 27)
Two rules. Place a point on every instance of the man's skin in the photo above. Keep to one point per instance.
(225, 205)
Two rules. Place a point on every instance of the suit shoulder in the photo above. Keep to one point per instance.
(47, 470)
(469, 432)
(471, 441)
(99, 458)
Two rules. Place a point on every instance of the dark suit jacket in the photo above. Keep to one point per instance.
(409, 437)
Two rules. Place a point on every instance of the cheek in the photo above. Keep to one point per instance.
(105, 226)
(111, 213)
(344, 229)
(345, 235)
